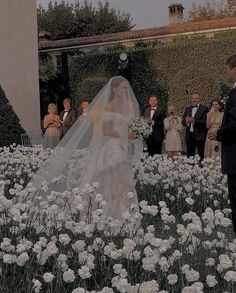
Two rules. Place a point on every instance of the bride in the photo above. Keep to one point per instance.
(99, 150)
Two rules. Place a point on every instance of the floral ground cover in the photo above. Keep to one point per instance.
(181, 242)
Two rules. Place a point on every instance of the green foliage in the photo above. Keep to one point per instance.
(65, 20)
(94, 70)
(173, 70)
(88, 89)
(10, 127)
(89, 73)
(212, 9)
(194, 65)
(57, 19)
(46, 68)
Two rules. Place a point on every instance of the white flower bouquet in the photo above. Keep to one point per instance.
(140, 127)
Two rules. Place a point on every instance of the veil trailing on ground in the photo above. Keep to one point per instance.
(82, 153)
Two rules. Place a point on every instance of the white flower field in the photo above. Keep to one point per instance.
(181, 241)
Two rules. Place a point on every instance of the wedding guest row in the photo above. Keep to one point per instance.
(165, 126)
(56, 126)
(198, 120)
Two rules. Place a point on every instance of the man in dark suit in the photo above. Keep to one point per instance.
(155, 116)
(194, 119)
(83, 111)
(68, 116)
(227, 135)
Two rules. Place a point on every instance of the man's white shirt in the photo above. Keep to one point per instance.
(153, 109)
(152, 112)
(65, 115)
(194, 110)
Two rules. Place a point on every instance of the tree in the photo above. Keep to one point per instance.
(212, 9)
(111, 21)
(57, 19)
(84, 19)
(10, 127)
(64, 20)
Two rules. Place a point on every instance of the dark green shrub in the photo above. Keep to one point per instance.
(10, 127)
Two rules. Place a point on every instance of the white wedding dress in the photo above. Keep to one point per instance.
(113, 169)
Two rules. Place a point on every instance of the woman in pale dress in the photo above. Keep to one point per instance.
(52, 124)
(173, 126)
(214, 121)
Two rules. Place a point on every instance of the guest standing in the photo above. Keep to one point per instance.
(84, 109)
(155, 116)
(213, 123)
(52, 124)
(227, 136)
(194, 119)
(68, 116)
(173, 126)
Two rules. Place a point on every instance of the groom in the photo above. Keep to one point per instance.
(227, 135)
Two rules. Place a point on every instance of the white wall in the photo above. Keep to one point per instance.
(19, 60)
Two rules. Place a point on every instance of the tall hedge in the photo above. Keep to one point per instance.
(173, 70)
(194, 65)
(10, 127)
(89, 73)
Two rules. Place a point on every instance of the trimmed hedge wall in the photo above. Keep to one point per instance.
(172, 70)
(10, 127)
(89, 73)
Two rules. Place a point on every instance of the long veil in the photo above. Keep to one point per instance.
(81, 154)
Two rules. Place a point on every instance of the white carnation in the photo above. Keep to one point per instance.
(64, 238)
(48, 277)
(22, 259)
(211, 281)
(84, 272)
(172, 279)
(69, 276)
(37, 285)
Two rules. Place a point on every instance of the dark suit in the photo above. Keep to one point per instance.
(155, 140)
(69, 120)
(80, 112)
(227, 135)
(197, 137)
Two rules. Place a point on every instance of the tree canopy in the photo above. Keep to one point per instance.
(64, 20)
(212, 9)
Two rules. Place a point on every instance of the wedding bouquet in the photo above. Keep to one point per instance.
(140, 127)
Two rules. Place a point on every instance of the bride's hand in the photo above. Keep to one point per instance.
(132, 135)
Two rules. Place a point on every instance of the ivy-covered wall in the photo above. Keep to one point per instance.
(89, 73)
(172, 70)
